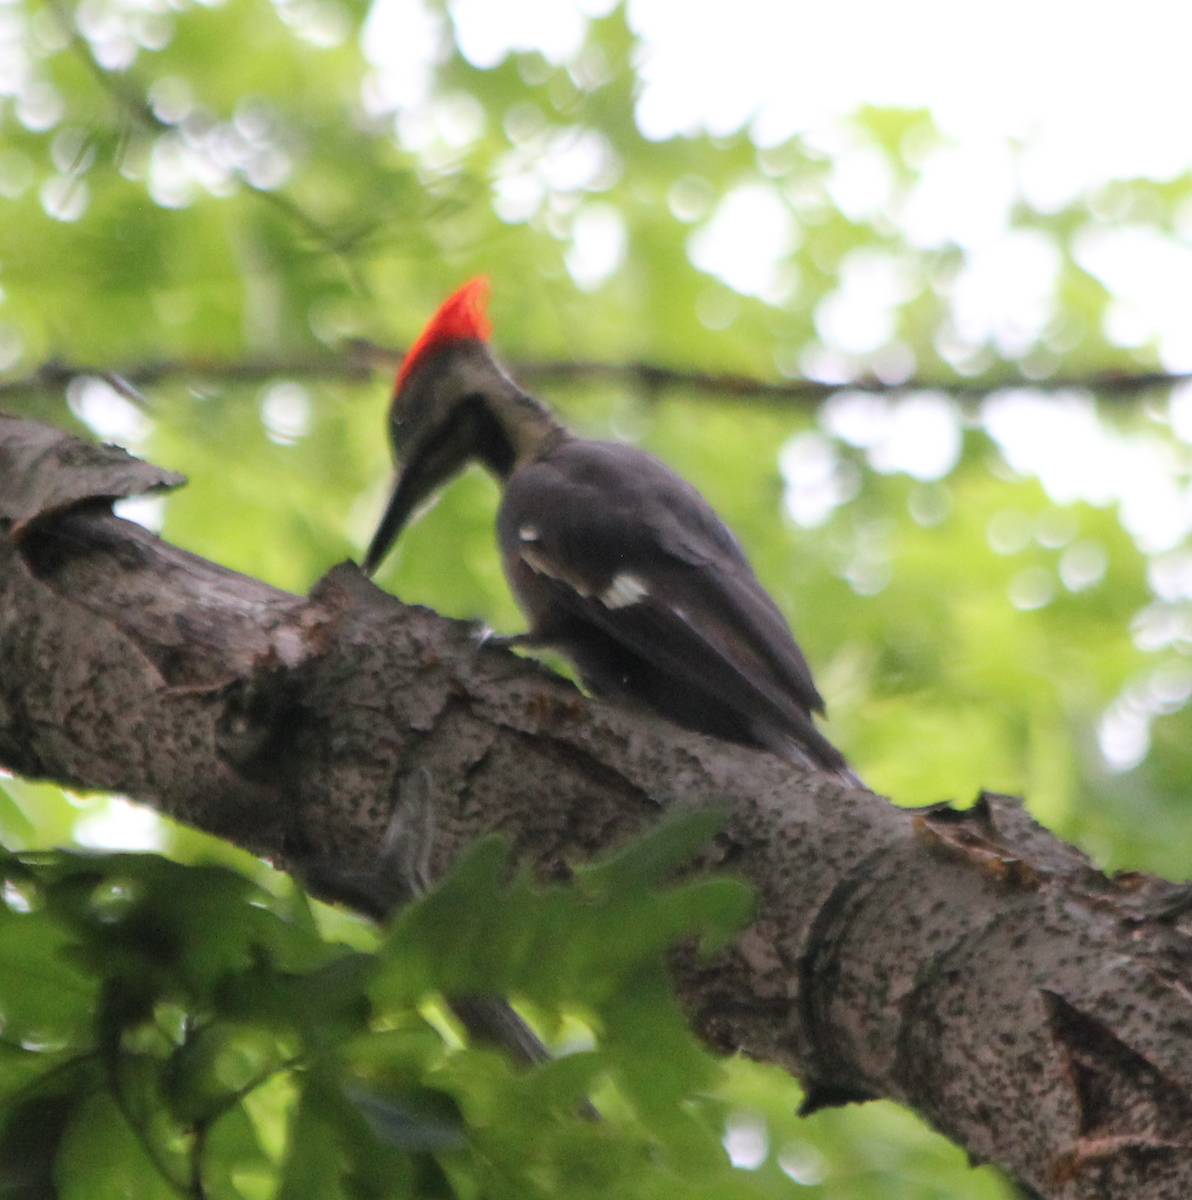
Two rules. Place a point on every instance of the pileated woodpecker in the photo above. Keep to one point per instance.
(618, 563)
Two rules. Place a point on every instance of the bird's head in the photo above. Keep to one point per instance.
(453, 403)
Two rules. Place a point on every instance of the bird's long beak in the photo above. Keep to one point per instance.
(401, 504)
(417, 479)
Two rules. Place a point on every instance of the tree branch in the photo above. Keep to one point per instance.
(360, 360)
(965, 963)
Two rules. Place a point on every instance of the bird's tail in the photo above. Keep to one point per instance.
(813, 754)
(850, 778)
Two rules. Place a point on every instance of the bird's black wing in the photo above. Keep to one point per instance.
(605, 537)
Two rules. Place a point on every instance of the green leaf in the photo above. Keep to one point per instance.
(312, 1167)
(14, 824)
(101, 1158)
(29, 1143)
(235, 1165)
(650, 859)
(46, 999)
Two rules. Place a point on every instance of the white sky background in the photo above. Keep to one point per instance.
(1097, 90)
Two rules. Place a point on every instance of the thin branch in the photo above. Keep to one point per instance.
(128, 100)
(336, 245)
(359, 361)
(141, 1133)
(54, 375)
(134, 106)
(652, 378)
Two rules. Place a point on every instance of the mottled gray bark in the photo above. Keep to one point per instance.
(965, 963)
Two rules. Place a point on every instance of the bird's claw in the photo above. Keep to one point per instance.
(488, 637)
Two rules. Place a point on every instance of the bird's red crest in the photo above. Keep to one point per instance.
(462, 315)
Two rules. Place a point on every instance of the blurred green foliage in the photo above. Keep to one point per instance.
(174, 1030)
(222, 186)
(178, 1030)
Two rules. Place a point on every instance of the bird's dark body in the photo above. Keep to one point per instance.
(618, 563)
(623, 566)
